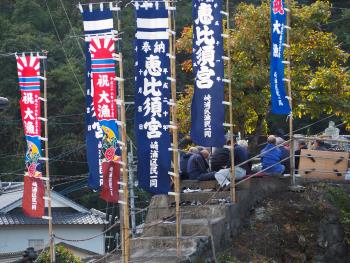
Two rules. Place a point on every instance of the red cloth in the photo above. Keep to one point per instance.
(33, 203)
(111, 172)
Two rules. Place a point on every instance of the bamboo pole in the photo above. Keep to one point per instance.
(48, 188)
(126, 224)
(228, 72)
(176, 177)
(289, 85)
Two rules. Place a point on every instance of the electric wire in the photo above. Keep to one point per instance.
(64, 50)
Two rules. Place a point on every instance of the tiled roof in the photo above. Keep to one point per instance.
(59, 218)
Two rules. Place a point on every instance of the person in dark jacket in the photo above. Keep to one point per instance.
(184, 161)
(221, 159)
(301, 145)
(197, 167)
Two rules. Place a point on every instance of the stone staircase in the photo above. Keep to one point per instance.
(207, 226)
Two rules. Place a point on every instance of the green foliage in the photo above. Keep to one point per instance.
(63, 255)
(320, 80)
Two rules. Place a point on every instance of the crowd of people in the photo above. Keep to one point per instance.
(201, 164)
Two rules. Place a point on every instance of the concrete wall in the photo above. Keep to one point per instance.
(15, 238)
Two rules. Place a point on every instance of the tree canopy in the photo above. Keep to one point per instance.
(320, 79)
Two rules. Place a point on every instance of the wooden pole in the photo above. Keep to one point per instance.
(126, 226)
(228, 76)
(48, 188)
(176, 177)
(289, 85)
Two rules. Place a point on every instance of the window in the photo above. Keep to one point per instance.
(37, 244)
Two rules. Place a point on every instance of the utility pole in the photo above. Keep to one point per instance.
(230, 101)
(46, 139)
(174, 123)
(289, 85)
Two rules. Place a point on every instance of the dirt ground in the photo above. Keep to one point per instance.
(309, 226)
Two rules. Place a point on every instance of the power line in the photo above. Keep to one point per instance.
(64, 50)
(71, 26)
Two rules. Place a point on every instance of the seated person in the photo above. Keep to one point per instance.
(197, 167)
(285, 154)
(319, 145)
(184, 161)
(271, 156)
(223, 176)
(301, 145)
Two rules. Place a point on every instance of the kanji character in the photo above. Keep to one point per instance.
(146, 47)
(275, 51)
(203, 79)
(205, 36)
(28, 98)
(104, 97)
(153, 183)
(104, 111)
(153, 67)
(28, 114)
(152, 128)
(204, 14)
(103, 81)
(29, 127)
(277, 27)
(278, 7)
(159, 48)
(150, 87)
(206, 55)
(153, 105)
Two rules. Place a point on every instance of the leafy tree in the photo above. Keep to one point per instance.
(320, 81)
(63, 255)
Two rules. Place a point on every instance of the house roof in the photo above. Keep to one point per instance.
(58, 218)
(64, 210)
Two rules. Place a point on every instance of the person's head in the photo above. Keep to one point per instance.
(271, 139)
(301, 144)
(228, 139)
(193, 150)
(279, 141)
(243, 143)
(205, 154)
(318, 143)
(199, 148)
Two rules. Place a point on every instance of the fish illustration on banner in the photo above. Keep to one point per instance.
(207, 110)
(152, 96)
(279, 101)
(95, 21)
(29, 81)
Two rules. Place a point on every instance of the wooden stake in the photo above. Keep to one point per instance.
(289, 85)
(228, 76)
(48, 188)
(126, 226)
(172, 52)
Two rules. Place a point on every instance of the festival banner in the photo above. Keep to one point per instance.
(29, 81)
(279, 101)
(111, 171)
(152, 96)
(95, 22)
(207, 110)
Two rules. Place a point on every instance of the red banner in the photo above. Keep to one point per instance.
(111, 172)
(29, 82)
(33, 203)
(103, 77)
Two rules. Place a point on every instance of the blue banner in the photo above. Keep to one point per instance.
(207, 112)
(95, 22)
(279, 101)
(152, 96)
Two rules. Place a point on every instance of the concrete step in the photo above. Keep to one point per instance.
(203, 211)
(189, 227)
(194, 184)
(204, 197)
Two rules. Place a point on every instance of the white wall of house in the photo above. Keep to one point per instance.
(16, 238)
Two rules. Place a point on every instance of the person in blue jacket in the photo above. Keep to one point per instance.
(271, 156)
